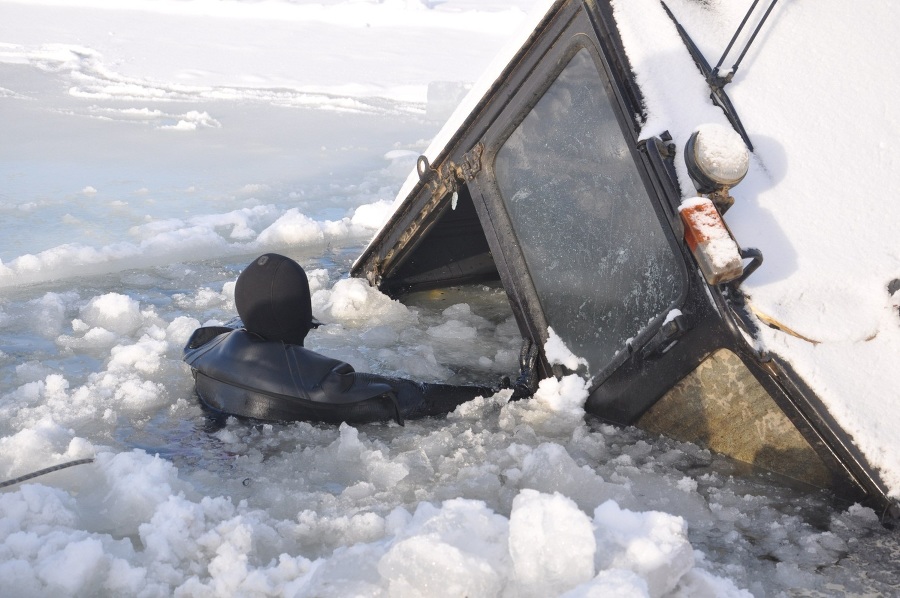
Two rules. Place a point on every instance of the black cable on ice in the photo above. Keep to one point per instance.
(41, 472)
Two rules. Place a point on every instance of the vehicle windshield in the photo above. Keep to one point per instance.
(596, 251)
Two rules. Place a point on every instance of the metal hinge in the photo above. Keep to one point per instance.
(444, 180)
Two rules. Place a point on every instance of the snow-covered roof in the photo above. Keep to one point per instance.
(815, 94)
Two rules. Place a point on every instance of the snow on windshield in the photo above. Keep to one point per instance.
(151, 151)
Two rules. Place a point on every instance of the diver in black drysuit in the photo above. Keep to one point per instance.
(263, 371)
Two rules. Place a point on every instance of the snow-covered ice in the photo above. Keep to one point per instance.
(151, 150)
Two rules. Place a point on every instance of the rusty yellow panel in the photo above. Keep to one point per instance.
(721, 405)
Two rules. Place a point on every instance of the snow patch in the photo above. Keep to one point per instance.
(557, 352)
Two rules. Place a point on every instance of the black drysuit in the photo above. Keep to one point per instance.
(264, 372)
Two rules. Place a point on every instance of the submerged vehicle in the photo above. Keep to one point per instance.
(588, 174)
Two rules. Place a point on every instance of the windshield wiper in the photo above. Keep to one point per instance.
(714, 79)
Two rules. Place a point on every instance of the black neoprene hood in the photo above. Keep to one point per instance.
(272, 299)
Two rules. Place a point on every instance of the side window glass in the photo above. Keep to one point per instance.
(596, 251)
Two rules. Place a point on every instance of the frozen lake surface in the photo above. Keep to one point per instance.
(139, 178)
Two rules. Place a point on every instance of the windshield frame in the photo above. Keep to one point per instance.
(516, 273)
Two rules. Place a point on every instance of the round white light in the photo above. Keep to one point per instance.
(720, 154)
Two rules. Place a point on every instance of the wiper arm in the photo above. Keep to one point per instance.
(734, 68)
(716, 81)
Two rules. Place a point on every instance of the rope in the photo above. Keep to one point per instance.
(41, 472)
